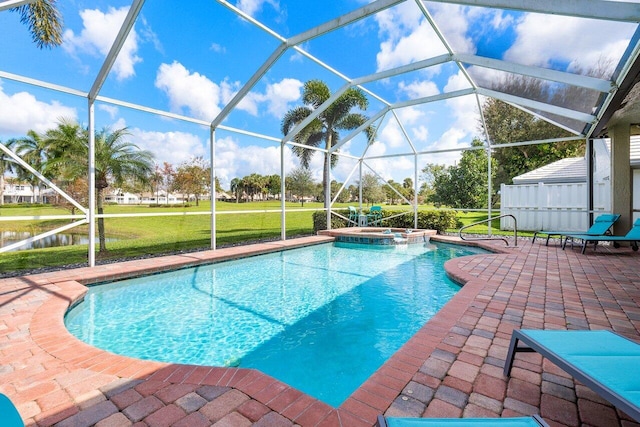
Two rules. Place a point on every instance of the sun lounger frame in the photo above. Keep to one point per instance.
(600, 388)
(612, 218)
(633, 237)
(533, 420)
(595, 239)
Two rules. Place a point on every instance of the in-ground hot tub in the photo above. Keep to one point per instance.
(379, 235)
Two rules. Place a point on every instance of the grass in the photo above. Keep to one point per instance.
(468, 218)
(155, 235)
(160, 235)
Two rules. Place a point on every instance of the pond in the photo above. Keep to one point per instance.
(61, 239)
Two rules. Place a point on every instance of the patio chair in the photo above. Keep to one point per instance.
(602, 360)
(374, 217)
(533, 421)
(633, 236)
(353, 217)
(9, 416)
(600, 226)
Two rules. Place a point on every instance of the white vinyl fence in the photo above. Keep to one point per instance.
(561, 206)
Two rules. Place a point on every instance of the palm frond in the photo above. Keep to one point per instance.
(293, 117)
(44, 22)
(315, 93)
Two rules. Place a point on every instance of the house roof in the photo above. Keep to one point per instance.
(572, 169)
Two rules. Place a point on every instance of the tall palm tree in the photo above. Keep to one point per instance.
(44, 22)
(324, 129)
(6, 165)
(116, 161)
(34, 149)
(236, 188)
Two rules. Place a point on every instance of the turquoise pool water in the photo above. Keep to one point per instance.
(321, 319)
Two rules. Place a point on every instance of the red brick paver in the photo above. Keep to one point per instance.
(452, 367)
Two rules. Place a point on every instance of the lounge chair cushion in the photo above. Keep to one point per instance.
(606, 362)
(632, 236)
(600, 226)
(9, 416)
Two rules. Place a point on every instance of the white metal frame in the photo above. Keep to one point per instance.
(595, 9)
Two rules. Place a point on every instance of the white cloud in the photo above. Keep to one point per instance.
(410, 115)
(171, 147)
(484, 77)
(419, 89)
(111, 110)
(420, 133)
(396, 168)
(98, 34)
(413, 47)
(542, 39)
(233, 158)
(407, 37)
(453, 21)
(192, 92)
(451, 139)
(463, 108)
(391, 135)
(501, 20)
(252, 7)
(277, 97)
(236, 161)
(21, 112)
(218, 48)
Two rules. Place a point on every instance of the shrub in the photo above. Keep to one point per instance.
(430, 220)
(320, 220)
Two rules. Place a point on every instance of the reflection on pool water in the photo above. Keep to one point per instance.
(60, 239)
(321, 319)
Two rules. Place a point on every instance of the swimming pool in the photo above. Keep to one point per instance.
(321, 318)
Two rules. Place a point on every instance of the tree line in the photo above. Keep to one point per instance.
(300, 186)
(61, 155)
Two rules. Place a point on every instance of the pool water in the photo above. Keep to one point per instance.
(321, 319)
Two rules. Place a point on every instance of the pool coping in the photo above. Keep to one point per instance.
(374, 396)
(451, 368)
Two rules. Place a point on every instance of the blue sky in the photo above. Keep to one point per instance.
(192, 60)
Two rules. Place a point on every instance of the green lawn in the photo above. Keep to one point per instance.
(157, 235)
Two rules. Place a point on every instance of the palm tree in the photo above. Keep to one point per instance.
(44, 22)
(116, 161)
(34, 149)
(6, 165)
(236, 188)
(325, 127)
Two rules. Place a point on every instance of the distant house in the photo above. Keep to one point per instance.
(23, 192)
(554, 196)
(120, 197)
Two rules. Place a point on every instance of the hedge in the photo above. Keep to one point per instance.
(429, 220)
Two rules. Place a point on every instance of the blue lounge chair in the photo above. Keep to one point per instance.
(9, 416)
(601, 225)
(534, 421)
(374, 217)
(602, 360)
(633, 237)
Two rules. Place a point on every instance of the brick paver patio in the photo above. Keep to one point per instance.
(451, 368)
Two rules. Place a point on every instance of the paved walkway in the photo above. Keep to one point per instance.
(451, 368)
